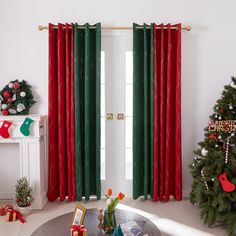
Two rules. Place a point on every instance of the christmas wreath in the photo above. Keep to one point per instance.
(16, 98)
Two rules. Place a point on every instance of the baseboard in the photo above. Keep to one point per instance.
(40, 202)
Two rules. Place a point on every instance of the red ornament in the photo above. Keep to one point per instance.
(5, 112)
(6, 94)
(16, 85)
(225, 183)
(9, 100)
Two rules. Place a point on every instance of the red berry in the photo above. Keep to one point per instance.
(6, 94)
(9, 100)
(5, 112)
(16, 85)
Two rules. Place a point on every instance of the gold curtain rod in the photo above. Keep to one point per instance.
(185, 28)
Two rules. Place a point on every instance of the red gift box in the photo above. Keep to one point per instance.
(4, 209)
(78, 230)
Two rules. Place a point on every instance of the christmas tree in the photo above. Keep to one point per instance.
(23, 192)
(214, 165)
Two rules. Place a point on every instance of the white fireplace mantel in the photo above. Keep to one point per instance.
(32, 153)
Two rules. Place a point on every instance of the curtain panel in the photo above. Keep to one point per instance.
(87, 110)
(61, 172)
(157, 112)
(142, 111)
(74, 111)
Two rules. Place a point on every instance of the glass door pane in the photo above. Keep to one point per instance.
(116, 98)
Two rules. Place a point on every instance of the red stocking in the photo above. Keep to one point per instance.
(4, 130)
(225, 184)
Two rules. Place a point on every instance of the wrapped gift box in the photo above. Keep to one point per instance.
(11, 215)
(78, 230)
(4, 209)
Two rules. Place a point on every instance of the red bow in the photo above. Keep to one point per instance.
(79, 228)
(18, 215)
(213, 136)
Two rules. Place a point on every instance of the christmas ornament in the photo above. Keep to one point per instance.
(219, 137)
(24, 129)
(5, 112)
(9, 100)
(232, 134)
(20, 107)
(23, 94)
(16, 85)
(216, 116)
(18, 98)
(6, 94)
(225, 183)
(204, 152)
(231, 107)
(4, 106)
(220, 117)
(227, 152)
(12, 111)
(14, 97)
(4, 130)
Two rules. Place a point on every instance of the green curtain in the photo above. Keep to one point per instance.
(143, 110)
(87, 51)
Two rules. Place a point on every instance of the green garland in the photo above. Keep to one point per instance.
(16, 98)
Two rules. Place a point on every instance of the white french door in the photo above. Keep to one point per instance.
(116, 112)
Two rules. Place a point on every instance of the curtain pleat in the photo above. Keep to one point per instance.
(142, 111)
(87, 50)
(53, 175)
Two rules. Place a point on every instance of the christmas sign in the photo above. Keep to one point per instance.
(222, 125)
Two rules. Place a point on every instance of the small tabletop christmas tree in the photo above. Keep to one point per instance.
(23, 192)
(214, 166)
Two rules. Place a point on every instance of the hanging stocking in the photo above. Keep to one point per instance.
(4, 130)
(225, 183)
(24, 129)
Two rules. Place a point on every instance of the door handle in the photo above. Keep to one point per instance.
(120, 116)
(109, 116)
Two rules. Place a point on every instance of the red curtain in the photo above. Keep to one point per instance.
(61, 154)
(167, 112)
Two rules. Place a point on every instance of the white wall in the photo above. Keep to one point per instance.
(208, 50)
